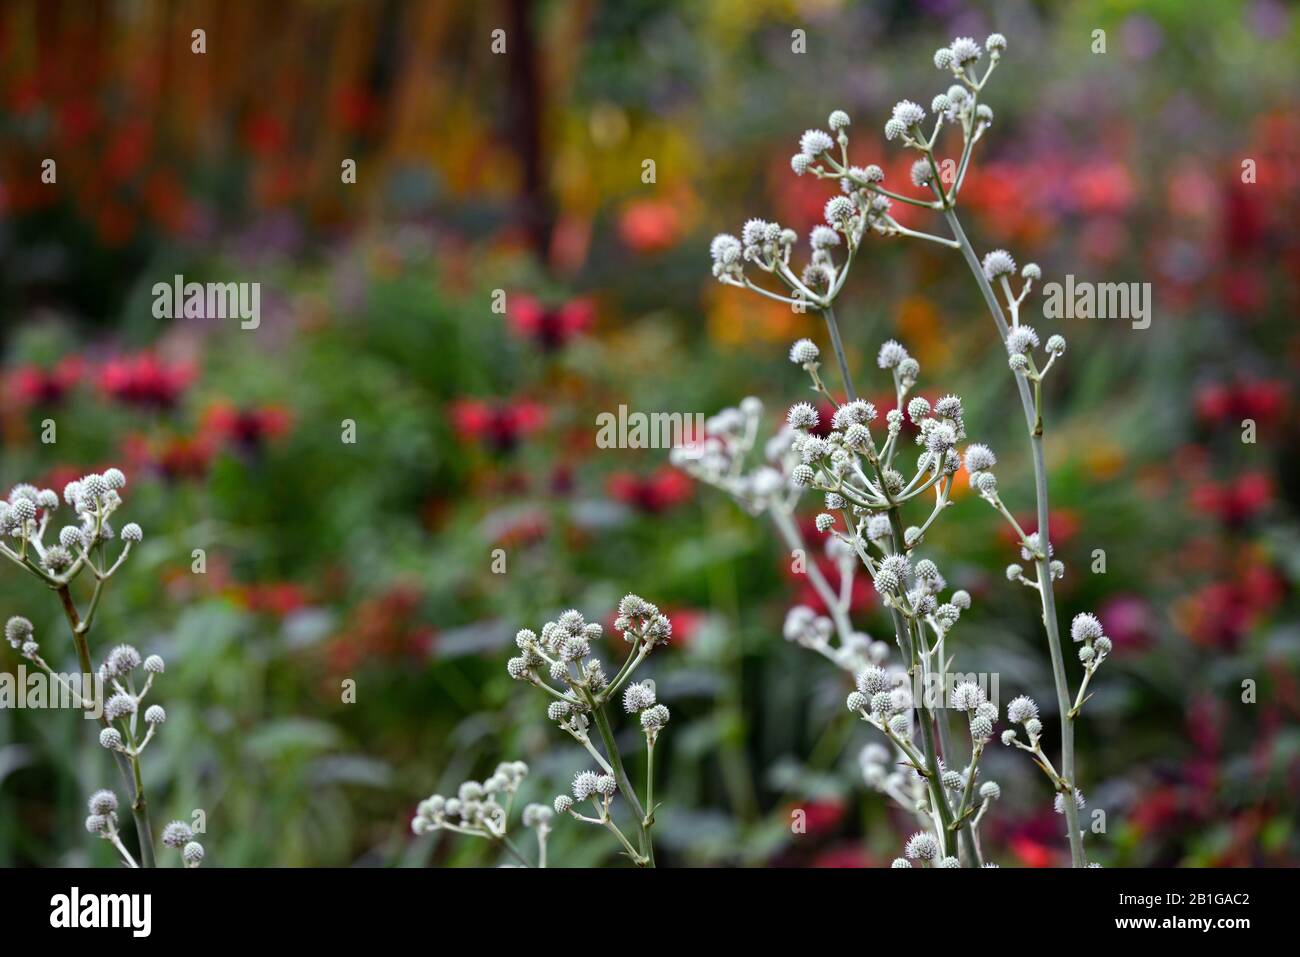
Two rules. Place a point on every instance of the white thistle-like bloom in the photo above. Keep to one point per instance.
(18, 630)
(103, 802)
(837, 120)
(922, 173)
(192, 853)
(155, 665)
(990, 790)
(111, 739)
(803, 415)
(1031, 271)
(638, 696)
(995, 43)
(1021, 340)
(823, 237)
(824, 522)
(799, 163)
(979, 458)
(901, 862)
(606, 785)
(131, 532)
(907, 113)
(838, 210)
(1022, 709)
(965, 51)
(815, 142)
(891, 355)
(122, 659)
(653, 719)
(177, 834)
(584, 785)
(894, 129)
(943, 58)
(872, 680)
(1085, 627)
(155, 714)
(562, 804)
(804, 351)
(922, 846)
(998, 263)
(1055, 345)
(967, 696)
(119, 706)
(725, 249)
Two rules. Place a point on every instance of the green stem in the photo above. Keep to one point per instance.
(624, 785)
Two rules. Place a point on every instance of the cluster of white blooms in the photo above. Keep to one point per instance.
(475, 808)
(722, 457)
(27, 513)
(180, 836)
(122, 707)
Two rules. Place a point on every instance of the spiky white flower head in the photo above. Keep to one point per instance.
(102, 802)
(995, 43)
(1033, 727)
(908, 113)
(1086, 653)
(725, 249)
(984, 113)
(856, 701)
(823, 237)
(562, 803)
(838, 210)
(155, 714)
(131, 532)
(951, 780)
(998, 263)
(1009, 737)
(98, 824)
(114, 479)
(890, 355)
(517, 668)
(72, 492)
(979, 458)
(1085, 627)
(990, 790)
(878, 528)
(177, 834)
(1055, 345)
(941, 104)
(1021, 339)
(857, 437)
(584, 785)
(803, 415)
(815, 142)
(1058, 803)
(558, 710)
(967, 696)
(606, 785)
(804, 351)
(908, 370)
(1102, 645)
(93, 488)
(122, 659)
(1031, 271)
(638, 696)
(1021, 709)
(30, 650)
(799, 163)
(921, 173)
(18, 630)
(901, 725)
(192, 853)
(872, 680)
(950, 862)
(922, 846)
(918, 408)
(23, 511)
(965, 51)
(652, 719)
(536, 815)
(981, 728)
(1014, 571)
(837, 120)
(802, 475)
(111, 739)
(873, 174)
(71, 537)
(894, 129)
(943, 58)
(825, 522)
(901, 862)
(119, 706)
(155, 665)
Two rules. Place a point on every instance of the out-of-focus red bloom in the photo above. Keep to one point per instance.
(550, 328)
(1032, 853)
(145, 380)
(270, 598)
(497, 426)
(653, 493)
(174, 457)
(1220, 614)
(1159, 808)
(1128, 620)
(1236, 502)
(247, 429)
(649, 225)
(33, 385)
(1220, 403)
(819, 816)
(386, 627)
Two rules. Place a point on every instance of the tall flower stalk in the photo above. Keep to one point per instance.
(110, 692)
(863, 208)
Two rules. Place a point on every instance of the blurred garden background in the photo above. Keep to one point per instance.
(522, 172)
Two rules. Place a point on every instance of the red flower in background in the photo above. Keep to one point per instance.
(277, 599)
(33, 385)
(174, 457)
(1228, 403)
(1221, 614)
(651, 494)
(1062, 526)
(145, 380)
(1236, 502)
(549, 328)
(387, 626)
(247, 429)
(649, 225)
(1129, 620)
(497, 426)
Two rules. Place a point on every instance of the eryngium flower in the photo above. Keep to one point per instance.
(102, 802)
(922, 846)
(177, 834)
(998, 263)
(1058, 804)
(638, 696)
(1085, 627)
(119, 706)
(192, 853)
(1021, 709)
(805, 350)
(815, 142)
